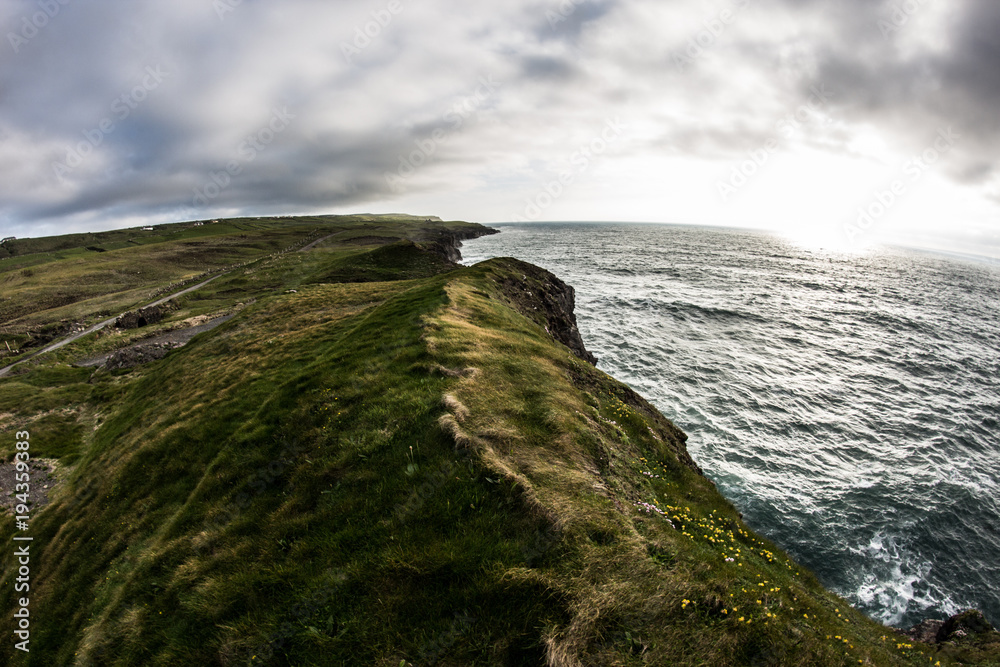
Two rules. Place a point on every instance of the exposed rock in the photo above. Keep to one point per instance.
(926, 631)
(543, 298)
(171, 339)
(136, 355)
(448, 243)
(967, 623)
(43, 479)
(140, 318)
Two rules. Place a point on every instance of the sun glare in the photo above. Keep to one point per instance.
(820, 237)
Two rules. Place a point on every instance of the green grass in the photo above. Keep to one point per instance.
(379, 461)
(79, 285)
(400, 260)
(53, 283)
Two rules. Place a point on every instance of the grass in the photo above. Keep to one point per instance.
(53, 282)
(79, 285)
(380, 461)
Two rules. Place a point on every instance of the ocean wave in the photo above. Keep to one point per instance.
(846, 404)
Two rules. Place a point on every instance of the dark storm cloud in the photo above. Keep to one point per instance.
(912, 92)
(547, 67)
(85, 128)
(567, 18)
(115, 111)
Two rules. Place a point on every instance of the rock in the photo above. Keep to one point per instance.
(447, 243)
(548, 301)
(971, 622)
(139, 318)
(926, 631)
(136, 355)
(965, 624)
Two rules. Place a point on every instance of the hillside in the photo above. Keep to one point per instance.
(375, 457)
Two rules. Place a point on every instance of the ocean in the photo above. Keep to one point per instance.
(847, 404)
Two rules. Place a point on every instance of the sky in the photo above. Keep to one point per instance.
(837, 122)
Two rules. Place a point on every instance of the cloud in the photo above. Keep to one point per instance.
(374, 88)
(546, 68)
(566, 20)
(909, 70)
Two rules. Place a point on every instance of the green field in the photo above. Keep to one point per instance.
(382, 459)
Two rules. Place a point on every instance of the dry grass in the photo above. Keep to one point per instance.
(338, 475)
(542, 421)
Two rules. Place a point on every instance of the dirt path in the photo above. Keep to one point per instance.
(101, 325)
(175, 338)
(317, 242)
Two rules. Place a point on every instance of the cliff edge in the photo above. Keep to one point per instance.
(383, 458)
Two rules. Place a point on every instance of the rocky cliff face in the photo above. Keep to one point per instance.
(448, 243)
(538, 295)
(967, 624)
(548, 301)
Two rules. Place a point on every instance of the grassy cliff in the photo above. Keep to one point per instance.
(381, 459)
